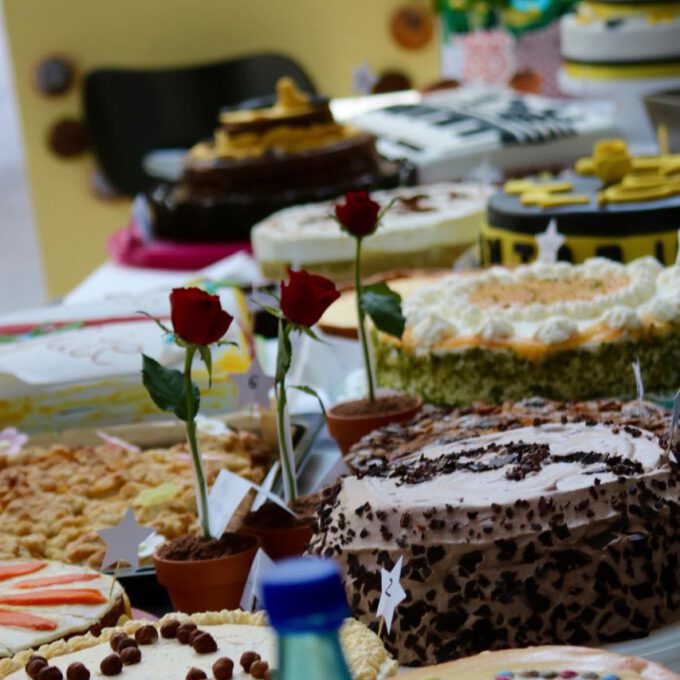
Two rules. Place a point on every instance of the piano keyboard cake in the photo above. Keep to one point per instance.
(548, 533)
(447, 135)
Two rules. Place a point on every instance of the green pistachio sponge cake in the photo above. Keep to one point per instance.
(562, 331)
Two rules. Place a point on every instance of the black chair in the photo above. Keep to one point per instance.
(132, 112)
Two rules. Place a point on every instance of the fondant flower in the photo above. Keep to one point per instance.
(358, 215)
(198, 317)
(11, 441)
(306, 297)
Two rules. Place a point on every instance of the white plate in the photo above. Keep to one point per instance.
(662, 646)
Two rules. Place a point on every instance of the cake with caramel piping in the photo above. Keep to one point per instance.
(552, 532)
(560, 331)
(262, 160)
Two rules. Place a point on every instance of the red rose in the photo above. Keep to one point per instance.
(306, 297)
(198, 317)
(359, 214)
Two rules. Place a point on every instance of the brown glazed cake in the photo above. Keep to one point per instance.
(559, 532)
(262, 160)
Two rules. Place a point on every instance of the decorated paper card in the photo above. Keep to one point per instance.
(123, 541)
(392, 592)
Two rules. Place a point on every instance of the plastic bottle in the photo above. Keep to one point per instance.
(306, 604)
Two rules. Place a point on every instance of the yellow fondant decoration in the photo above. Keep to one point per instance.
(621, 71)
(545, 200)
(611, 161)
(159, 495)
(508, 247)
(662, 137)
(611, 10)
(515, 187)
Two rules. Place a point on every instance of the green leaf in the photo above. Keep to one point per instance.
(311, 392)
(383, 305)
(274, 311)
(204, 351)
(308, 331)
(166, 388)
(284, 352)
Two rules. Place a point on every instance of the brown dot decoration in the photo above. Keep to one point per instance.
(204, 643)
(223, 668)
(196, 674)
(111, 665)
(115, 640)
(248, 659)
(125, 643)
(50, 673)
(146, 635)
(54, 76)
(130, 656)
(259, 669)
(169, 629)
(34, 665)
(412, 27)
(77, 671)
(184, 631)
(392, 81)
(67, 138)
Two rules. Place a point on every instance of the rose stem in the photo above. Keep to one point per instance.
(280, 410)
(362, 318)
(193, 443)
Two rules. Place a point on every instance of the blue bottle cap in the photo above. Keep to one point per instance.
(304, 594)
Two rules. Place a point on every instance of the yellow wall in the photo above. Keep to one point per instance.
(328, 37)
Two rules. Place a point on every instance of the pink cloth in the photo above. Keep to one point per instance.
(127, 247)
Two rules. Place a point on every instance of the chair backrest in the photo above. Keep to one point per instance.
(132, 112)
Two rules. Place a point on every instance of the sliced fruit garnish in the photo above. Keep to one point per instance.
(19, 569)
(57, 596)
(24, 620)
(43, 581)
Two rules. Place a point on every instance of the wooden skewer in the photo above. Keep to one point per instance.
(381, 626)
(662, 138)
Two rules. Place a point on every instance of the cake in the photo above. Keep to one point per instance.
(577, 663)
(452, 134)
(53, 499)
(262, 160)
(558, 330)
(163, 650)
(390, 444)
(622, 50)
(614, 206)
(44, 601)
(427, 226)
(552, 533)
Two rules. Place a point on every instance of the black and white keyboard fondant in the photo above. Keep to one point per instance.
(447, 135)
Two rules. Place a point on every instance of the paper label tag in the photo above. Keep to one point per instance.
(392, 592)
(252, 595)
(226, 495)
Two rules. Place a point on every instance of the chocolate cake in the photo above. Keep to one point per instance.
(262, 160)
(549, 533)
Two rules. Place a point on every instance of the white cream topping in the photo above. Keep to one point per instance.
(448, 214)
(171, 660)
(448, 309)
(478, 489)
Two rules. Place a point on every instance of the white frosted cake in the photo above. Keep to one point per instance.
(427, 226)
(560, 331)
(42, 601)
(621, 50)
(224, 645)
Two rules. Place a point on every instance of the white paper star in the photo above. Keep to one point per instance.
(363, 79)
(253, 386)
(392, 593)
(251, 592)
(549, 243)
(123, 540)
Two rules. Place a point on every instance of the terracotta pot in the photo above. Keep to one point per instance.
(206, 585)
(280, 542)
(347, 430)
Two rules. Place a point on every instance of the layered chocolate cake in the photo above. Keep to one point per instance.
(262, 160)
(553, 533)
